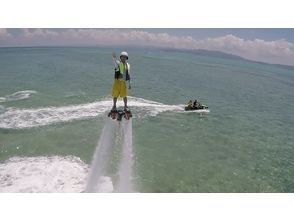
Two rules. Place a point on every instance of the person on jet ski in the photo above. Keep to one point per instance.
(196, 104)
(190, 104)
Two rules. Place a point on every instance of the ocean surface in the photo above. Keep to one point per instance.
(54, 125)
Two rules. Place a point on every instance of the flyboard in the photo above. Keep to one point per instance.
(118, 114)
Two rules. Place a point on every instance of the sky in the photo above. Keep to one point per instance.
(275, 45)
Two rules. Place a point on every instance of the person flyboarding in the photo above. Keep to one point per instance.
(121, 77)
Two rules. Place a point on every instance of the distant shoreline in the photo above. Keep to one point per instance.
(212, 53)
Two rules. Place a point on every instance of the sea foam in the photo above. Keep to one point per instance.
(14, 118)
(20, 95)
(43, 174)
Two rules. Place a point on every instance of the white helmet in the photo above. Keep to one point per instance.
(124, 54)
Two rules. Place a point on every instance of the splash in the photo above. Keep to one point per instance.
(20, 95)
(125, 170)
(43, 174)
(28, 118)
(111, 136)
(97, 174)
(14, 118)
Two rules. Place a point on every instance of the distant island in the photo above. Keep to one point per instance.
(220, 54)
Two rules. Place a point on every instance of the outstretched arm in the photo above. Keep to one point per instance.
(115, 62)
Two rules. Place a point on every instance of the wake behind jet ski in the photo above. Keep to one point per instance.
(195, 106)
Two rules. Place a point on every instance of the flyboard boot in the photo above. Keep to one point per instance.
(118, 114)
(128, 113)
(113, 113)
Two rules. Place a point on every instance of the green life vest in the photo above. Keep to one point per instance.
(122, 71)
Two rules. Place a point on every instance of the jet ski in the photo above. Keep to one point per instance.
(198, 106)
(118, 114)
(191, 108)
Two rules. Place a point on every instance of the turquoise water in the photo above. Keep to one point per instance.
(53, 105)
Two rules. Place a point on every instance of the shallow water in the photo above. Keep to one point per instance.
(54, 102)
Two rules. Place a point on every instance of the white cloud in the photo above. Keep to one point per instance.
(40, 34)
(279, 51)
(4, 34)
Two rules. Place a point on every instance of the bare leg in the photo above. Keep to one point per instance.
(126, 102)
(114, 102)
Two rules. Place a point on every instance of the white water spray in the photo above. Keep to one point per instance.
(16, 118)
(99, 162)
(125, 170)
(111, 135)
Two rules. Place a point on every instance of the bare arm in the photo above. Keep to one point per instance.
(115, 62)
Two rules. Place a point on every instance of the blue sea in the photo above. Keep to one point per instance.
(53, 122)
